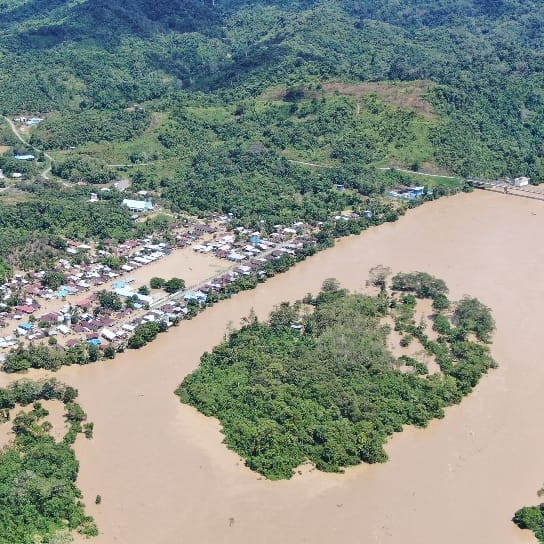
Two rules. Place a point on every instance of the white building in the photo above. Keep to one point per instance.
(63, 329)
(108, 335)
(138, 205)
(522, 181)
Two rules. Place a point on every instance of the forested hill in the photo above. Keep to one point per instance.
(485, 55)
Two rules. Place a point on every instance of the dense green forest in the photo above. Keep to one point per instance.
(220, 95)
(38, 493)
(317, 381)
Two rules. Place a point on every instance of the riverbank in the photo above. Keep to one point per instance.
(164, 475)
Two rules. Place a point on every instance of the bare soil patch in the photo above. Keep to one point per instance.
(405, 95)
(408, 95)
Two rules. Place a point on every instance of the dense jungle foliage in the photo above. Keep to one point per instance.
(38, 493)
(317, 382)
(461, 84)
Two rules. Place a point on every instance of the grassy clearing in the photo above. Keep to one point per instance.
(409, 95)
(434, 181)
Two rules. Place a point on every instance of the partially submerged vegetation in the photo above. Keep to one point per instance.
(38, 492)
(531, 518)
(317, 382)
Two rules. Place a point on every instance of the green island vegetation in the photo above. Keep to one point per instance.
(531, 518)
(317, 381)
(39, 499)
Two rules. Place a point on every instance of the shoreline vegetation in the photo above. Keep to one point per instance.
(531, 518)
(318, 383)
(39, 498)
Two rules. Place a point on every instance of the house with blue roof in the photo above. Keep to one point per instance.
(139, 206)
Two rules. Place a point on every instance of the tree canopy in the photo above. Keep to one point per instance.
(319, 383)
(38, 492)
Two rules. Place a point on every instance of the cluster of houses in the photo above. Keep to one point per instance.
(247, 244)
(409, 193)
(76, 320)
(28, 121)
(251, 252)
(79, 324)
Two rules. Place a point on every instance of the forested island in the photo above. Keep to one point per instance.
(317, 382)
(38, 495)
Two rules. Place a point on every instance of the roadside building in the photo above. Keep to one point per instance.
(138, 206)
(522, 181)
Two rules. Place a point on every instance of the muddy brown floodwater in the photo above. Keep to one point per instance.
(165, 477)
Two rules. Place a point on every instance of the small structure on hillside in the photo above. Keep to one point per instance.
(138, 206)
(33, 121)
(411, 193)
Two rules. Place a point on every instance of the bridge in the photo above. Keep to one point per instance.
(506, 187)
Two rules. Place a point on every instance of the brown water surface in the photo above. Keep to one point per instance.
(165, 477)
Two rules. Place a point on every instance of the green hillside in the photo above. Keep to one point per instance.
(484, 58)
(261, 108)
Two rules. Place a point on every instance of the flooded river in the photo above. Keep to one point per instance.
(165, 477)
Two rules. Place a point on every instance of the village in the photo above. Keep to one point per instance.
(109, 291)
